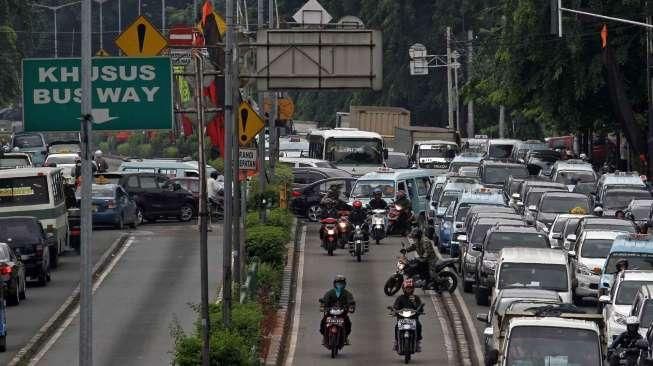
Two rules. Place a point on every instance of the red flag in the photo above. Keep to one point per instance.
(211, 91)
(207, 9)
(186, 125)
(604, 36)
(215, 131)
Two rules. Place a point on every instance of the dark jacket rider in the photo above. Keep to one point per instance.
(338, 297)
(404, 202)
(332, 203)
(408, 300)
(377, 202)
(626, 339)
(358, 216)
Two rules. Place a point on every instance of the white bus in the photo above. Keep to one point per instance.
(350, 149)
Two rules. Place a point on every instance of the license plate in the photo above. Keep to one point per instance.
(407, 323)
(337, 321)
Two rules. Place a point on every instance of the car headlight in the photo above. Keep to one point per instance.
(470, 258)
(584, 270)
(489, 265)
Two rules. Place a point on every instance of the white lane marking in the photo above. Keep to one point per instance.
(55, 337)
(476, 342)
(298, 302)
(444, 324)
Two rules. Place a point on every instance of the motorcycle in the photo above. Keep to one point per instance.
(418, 269)
(398, 220)
(406, 331)
(378, 225)
(329, 234)
(334, 330)
(631, 356)
(358, 246)
(344, 228)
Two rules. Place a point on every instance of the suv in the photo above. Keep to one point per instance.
(494, 173)
(629, 180)
(496, 239)
(306, 175)
(572, 172)
(554, 203)
(618, 303)
(26, 237)
(600, 223)
(615, 199)
(157, 196)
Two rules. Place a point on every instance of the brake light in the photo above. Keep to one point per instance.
(296, 193)
(111, 203)
(75, 232)
(5, 270)
(39, 250)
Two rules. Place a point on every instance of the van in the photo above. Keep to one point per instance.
(32, 143)
(500, 149)
(415, 182)
(637, 249)
(37, 192)
(172, 168)
(545, 269)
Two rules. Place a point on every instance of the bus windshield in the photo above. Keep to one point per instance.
(24, 191)
(354, 151)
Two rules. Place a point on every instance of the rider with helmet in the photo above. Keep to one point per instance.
(403, 201)
(358, 216)
(408, 300)
(627, 339)
(332, 203)
(598, 211)
(338, 296)
(424, 250)
(102, 165)
(377, 202)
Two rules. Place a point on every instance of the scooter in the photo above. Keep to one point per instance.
(329, 234)
(334, 330)
(378, 225)
(358, 246)
(344, 228)
(406, 331)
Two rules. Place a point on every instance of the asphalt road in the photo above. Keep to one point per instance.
(25, 319)
(150, 288)
(372, 330)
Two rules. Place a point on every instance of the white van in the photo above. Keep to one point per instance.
(171, 168)
(545, 269)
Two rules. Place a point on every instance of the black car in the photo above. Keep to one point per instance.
(306, 200)
(26, 237)
(494, 173)
(12, 273)
(156, 195)
(306, 175)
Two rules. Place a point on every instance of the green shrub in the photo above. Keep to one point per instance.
(104, 146)
(123, 149)
(217, 164)
(280, 217)
(267, 242)
(268, 280)
(251, 219)
(145, 151)
(171, 152)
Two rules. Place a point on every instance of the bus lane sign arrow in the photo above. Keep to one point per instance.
(127, 94)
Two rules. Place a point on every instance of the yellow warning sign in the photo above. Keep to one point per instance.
(102, 53)
(249, 124)
(141, 38)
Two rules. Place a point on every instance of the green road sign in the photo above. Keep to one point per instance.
(129, 93)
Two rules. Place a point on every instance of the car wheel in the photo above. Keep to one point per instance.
(139, 216)
(13, 297)
(23, 292)
(54, 257)
(314, 212)
(3, 343)
(186, 213)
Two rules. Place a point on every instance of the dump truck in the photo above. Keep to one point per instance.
(427, 147)
(381, 120)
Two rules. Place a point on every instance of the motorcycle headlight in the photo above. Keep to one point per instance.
(489, 265)
(400, 266)
(342, 225)
(331, 232)
(398, 208)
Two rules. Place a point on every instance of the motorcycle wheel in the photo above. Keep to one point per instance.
(447, 281)
(393, 284)
(407, 358)
(333, 344)
(378, 241)
(330, 248)
(358, 257)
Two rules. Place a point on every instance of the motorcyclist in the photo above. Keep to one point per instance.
(338, 296)
(358, 216)
(424, 250)
(102, 165)
(377, 202)
(620, 214)
(403, 201)
(598, 211)
(332, 203)
(408, 300)
(626, 339)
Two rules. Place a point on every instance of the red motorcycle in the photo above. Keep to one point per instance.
(398, 219)
(344, 228)
(329, 234)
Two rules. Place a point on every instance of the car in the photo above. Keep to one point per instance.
(494, 173)
(191, 184)
(306, 162)
(572, 172)
(15, 160)
(546, 269)
(497, 239)
(112, 206)
(170, 168)
(32, 143)
(537, 182)
(65, 161)
(500, 149)
(614, 200)
(587, 257)
(64, 147)
(554, 203)
(292, 147)
(465, 159)
(157, 197)
(308, 175)
(639, 211)
(397, 160)
(541, 160)
(618, 302)
(438, 206)
(637, 249)
(643, 309)
(523, 148)
(532, 198)
(26, 237)
(630, 180)
(305, 200)
(12, 272)
(600, 223)
(563, 225)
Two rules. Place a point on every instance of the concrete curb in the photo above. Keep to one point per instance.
(280, 333)
(32, 347)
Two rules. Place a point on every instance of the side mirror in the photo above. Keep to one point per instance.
(557, 236)
(482, 317)
(571, 254)
(516, 196)
(571, 238)
(532, 208)
(492, 357)
(462, 238)
(477, 247)
(604, 299)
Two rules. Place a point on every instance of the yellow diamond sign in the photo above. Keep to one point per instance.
(141, 38)
(249, 124)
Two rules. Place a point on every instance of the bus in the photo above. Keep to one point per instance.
(350, 149)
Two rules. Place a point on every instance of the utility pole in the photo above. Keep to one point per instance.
(470, 103)
(86, 281)
(55, 25)
(101, 2)
(262, 179)
(163, 16)
(649, 84)
(237, 186)
(229, 124)
(455, 66)
(274, 154)
(449, 81)
(203, 214)
(502, 121)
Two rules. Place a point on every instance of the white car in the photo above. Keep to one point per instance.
(587, 257)
(618, 305)
(556, 237)
(306, 162)
(65, 161)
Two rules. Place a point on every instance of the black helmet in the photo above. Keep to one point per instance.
(214, 174)
(377, 192)
(632, 324)
(339, 278)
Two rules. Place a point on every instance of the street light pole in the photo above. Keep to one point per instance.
(54, 11)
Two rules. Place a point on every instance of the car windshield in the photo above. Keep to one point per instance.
(455, 167)
(365, 188)
(448, 197)
(564, 204)
(621, 199)
(640, 212)
(354, 151)
(500, 151)
(532, 198)
(637, 261)
(627, 291)
(559, 225)
(559, 346)
(293, 145)
(11, 163)
(596, 248)
(27, 141)
(500, 240)
(498, 174)
(19, 231)
(481, 229)
(396, 161)
(574, 177)
(533, 275)
(627, 227)
(647, 314)
(547, 159)
(67, 159)
(23, 191)
(437, 151)
(63, 148)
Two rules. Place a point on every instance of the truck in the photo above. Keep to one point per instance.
(381, 120)
(427, 147)
(547, 335)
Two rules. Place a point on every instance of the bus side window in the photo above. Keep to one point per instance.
(423, 185)
(412, 191)
(401, 186)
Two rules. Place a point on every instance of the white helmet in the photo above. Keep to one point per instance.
(98, 153)
(632, 320)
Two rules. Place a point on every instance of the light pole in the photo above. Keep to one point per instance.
(54, 11)
(101, 2)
